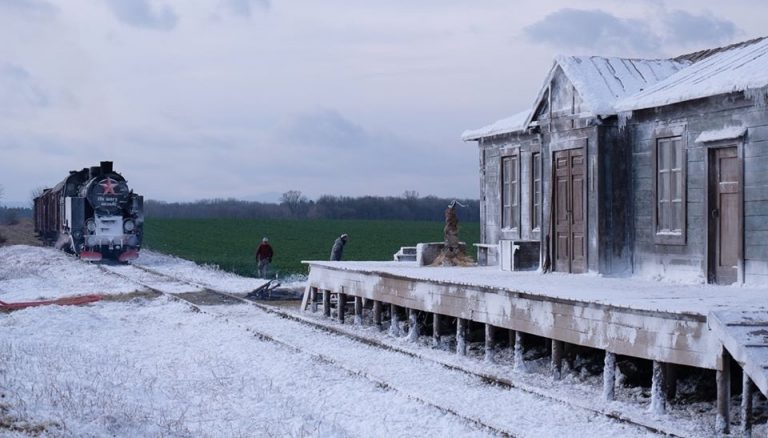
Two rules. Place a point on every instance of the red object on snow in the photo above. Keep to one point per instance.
(130, 254)
(71, 301)
(90, 256)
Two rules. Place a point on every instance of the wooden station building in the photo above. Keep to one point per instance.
(649, 176)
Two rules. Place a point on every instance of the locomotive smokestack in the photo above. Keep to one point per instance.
(106, 167)
(94, 171)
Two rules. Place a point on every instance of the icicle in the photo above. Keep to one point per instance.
(759, 96)
(624, 117)
(518, 353)
(609, 376)
(413, 326)
(658, 401)
(394, 324)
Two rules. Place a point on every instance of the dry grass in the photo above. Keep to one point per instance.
(22, 233)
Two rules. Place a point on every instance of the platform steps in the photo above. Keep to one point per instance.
(406, 254)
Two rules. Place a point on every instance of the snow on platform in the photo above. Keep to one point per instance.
(745, 335)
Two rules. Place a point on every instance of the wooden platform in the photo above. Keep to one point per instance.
(644, 319)
(745, 335)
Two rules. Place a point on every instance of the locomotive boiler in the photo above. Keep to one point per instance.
(92, 213)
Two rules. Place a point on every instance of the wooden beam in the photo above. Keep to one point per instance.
(436, 329)
(722, 422)
(341, 304)
(313, 299)
(748, 388)
(377, 313)
(326, 303)
(609, 376)
(413, 325)
(670, 380)
(461, 336)
(358, 310)
(489, 345)
(556, 365)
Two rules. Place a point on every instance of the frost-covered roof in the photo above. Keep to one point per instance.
(601, 81)
(741, 68)
(509, 125)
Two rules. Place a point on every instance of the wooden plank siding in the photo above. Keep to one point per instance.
(699, 116)
(667, 337)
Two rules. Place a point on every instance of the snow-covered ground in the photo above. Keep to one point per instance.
(157, 368)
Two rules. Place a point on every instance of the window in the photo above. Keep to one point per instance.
(510, 192)
(669, 211)
(535, 191)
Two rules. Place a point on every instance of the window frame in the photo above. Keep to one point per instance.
(515, 210)
(535, 210)
(662, 136)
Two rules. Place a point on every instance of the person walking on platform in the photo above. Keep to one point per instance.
(338, 247)
(264, 255)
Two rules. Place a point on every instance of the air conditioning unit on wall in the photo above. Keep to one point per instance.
(507, 250)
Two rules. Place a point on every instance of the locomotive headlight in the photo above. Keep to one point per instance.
(91, 226)
(129, 226)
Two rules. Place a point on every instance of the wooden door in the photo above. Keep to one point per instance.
(725, 215)
(570, 211)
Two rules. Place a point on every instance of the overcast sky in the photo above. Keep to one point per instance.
(251, 98)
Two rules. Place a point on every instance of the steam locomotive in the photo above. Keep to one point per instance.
(92, 213)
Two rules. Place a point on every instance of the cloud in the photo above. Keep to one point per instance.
(139, 13)
(326, 128)
(685, 28)
(592, 30)
(19, 91)
(599, 31)
(245, 7)
(29, 8)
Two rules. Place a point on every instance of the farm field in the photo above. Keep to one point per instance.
(230, 243)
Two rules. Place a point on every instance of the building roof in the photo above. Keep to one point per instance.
(601, 81)
(740, 68)
(515, 123)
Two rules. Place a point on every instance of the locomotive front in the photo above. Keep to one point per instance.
(93, 214)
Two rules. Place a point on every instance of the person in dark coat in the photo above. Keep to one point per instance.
(338, 247)
(264, 255)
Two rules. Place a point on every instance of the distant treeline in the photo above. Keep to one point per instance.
(12, 215)
(295, 206)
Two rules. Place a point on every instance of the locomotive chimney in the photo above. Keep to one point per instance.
(106, 167)
(94, 171)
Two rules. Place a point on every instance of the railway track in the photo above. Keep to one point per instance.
(201, 297)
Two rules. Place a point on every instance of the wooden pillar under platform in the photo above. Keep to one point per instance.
(313, 299)
(461, 336)
(609, 376)
(394, 323)
(377, 313)
(489, 345)
(748, 389)
(658, 390)
(517, 355)
(413, 325)
(358, 310)
(341, 304)
(436, 329)
(556, 364)
(723, 420)
(326, 303)
(670, 381)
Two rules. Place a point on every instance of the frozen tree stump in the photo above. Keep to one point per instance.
(358, 311)
(658, 394)
(609, 376)
(489, 347)
(377, 313)
(461, 336)
(452, 254)
(326, 303)
(394, 323)
(413, 325)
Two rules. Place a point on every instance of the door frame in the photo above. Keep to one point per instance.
(710, 225)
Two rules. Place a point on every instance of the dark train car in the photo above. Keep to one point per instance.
(92, 213)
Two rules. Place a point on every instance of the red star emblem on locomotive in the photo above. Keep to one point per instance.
(109, 186)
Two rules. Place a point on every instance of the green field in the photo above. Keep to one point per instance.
(230, 243)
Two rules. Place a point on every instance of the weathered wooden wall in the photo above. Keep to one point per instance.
(689, 261)
(673, 338)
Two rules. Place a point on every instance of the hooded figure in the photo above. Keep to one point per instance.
(338, 247)
(264, 255)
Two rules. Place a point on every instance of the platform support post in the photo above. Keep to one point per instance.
(313, 299)
(341, 305)
(394, 323)
(609, 376)
(670, 379)
(413, 325)
(461, 336)
(358, 310)
(377, 313)
(436, 329)
(517, 357)
(722, 423)
(489, 347)
(556, 364)
(326, 303)
(658, 393)
(748, 389)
